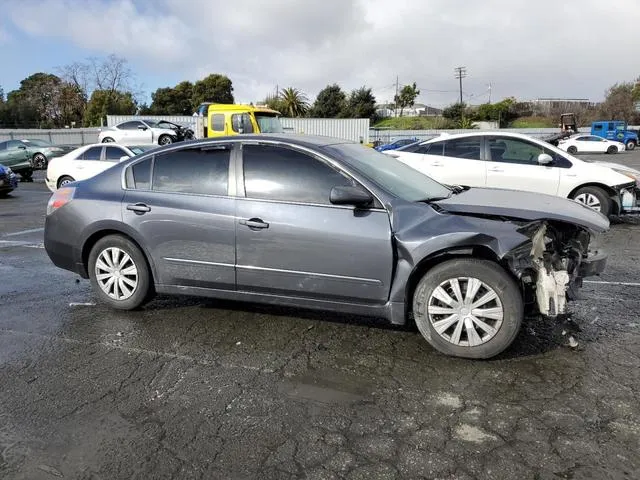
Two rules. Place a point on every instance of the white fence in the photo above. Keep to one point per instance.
(61, 136)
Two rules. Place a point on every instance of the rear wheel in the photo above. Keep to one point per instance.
(64, 180)
(468, 308)
(26, 176)
(108, 140)
(612, 149)
(572, 150)
(119, 273)
(595, 198)
(631, 145)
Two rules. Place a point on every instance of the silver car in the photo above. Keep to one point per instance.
(139, 132)
(322, 223)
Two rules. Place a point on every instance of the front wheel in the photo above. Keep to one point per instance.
(631, 145)
(119, 273)
(108, 140)
(595, 198)
(165, 140)
(39, 161)
(572, 150)
(468, 308)
(612, 149)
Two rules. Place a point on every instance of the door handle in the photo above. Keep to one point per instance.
(496, 170)
(254, 223)
(139, 208)
(436, 164)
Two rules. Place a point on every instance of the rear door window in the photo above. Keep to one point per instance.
(467, 148)
(92, 153)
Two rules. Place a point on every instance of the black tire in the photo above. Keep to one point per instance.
(39, 161)
(612, 149)
(108, 140)
(631, 145)
(165, 140)
(26, 176)
(64, 180)
(600, 194)
(142, 292)
(492, 275)
(572, 150)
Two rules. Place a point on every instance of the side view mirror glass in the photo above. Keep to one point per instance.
(141, 127)
(22, 147)
(545, 159)
(347, 195)
(123, 158)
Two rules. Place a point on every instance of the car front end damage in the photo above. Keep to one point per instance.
(553, 263)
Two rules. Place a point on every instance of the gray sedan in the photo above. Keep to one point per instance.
(322, 223)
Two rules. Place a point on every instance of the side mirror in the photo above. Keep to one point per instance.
(141, 127)
(545, 159)
(345, 195)
(22, 147)
(123, 158)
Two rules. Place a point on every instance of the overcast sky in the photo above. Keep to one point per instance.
(524, 48)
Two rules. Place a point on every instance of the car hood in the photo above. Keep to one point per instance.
(523, 205)
(618, 166)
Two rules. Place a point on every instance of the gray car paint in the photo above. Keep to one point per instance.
(389, 244)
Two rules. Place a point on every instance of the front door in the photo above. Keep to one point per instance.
(292, 241)
(514, 165)
(13, 153)
(183, 210)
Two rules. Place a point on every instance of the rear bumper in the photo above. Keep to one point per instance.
(62, 253)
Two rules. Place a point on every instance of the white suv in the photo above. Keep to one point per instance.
(519, 162)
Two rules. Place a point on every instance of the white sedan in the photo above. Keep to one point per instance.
(87, 161)
(519, 162)
(589, 144)
(138, 132)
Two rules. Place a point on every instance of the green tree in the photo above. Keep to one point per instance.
(173, 100)
(360, 104)
(274, 102)
(619, 102)
(329, 102)
(455, 111)
(106, 102)
(294, 103)
(406, 97)
(213, 88)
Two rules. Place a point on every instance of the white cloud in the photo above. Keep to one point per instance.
(528, 49)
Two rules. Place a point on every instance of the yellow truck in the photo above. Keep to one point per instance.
(235, 119)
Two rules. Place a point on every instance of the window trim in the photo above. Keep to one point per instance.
(378, 204)
(152, 158)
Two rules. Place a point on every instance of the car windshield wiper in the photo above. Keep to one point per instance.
(433, 199)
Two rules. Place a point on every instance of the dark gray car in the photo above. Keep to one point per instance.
(322, 223)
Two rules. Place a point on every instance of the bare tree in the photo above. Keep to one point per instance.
(110, 74)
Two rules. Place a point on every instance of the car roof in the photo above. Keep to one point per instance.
(299, 139)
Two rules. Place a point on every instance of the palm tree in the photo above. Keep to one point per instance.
(293, 102)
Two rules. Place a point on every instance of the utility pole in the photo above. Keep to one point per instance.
(395, 111)
(461, 72)
(489, 92)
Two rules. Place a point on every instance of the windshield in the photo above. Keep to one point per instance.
(38, 143)
(138, 149)
(268, 123)
(391, 174)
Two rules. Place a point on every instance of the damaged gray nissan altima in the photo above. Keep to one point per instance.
(322, 223)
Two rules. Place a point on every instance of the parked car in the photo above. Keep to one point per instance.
(42, 151)
(138, 132)
(397, 144)
(14, 154)
(517, 161)
(87, 161)
(8, 181)
(583, 143)
(324, 223)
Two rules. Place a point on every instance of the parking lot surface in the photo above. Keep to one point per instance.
(191, 388)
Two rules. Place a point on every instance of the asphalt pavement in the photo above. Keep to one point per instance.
(191, 388)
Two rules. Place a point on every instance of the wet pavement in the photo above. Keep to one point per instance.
(197, 389)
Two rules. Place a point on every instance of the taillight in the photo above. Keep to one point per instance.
(60, 197)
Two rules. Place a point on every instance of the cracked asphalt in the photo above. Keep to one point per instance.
(191, 388)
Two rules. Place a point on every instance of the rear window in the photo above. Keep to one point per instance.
(139, 175)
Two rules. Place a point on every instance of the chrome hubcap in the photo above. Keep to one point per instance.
(465, 319)
(116, 273)
(589, 200)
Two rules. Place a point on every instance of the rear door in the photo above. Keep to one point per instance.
(87, 164)
(292, 241)
(180, 203)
